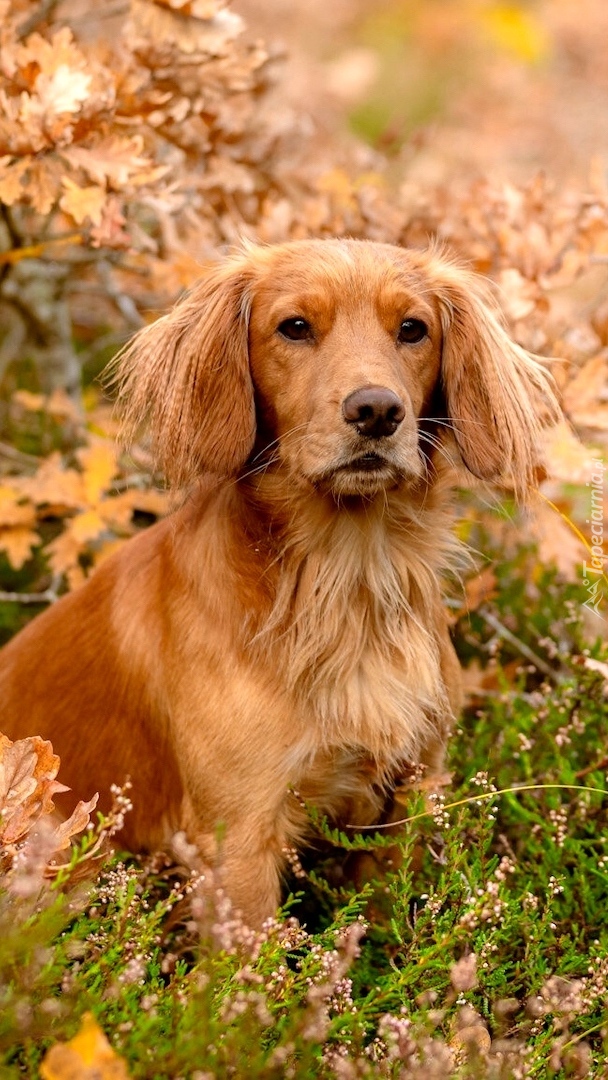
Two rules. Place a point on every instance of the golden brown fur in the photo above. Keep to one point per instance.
(285, 628)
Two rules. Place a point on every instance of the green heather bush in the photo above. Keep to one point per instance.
(482, 952)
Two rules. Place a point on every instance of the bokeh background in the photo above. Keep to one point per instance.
(139, 141)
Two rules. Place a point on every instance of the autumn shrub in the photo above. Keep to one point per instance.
(132, 150)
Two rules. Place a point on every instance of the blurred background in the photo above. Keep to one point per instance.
(452, 87)
(140, 140)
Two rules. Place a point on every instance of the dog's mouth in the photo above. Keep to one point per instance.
(363, 475)
(365, 463)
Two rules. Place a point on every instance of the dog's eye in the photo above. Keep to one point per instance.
(411, 331)
(297, 329)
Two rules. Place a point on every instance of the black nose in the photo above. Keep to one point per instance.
(374, 410)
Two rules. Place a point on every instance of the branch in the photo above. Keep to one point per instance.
(42, 13)
(49, 596)
(521, 646)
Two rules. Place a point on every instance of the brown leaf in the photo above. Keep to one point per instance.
(43, 185)
(12, 177)
(113, 159)
(76, 823)
(28, 768)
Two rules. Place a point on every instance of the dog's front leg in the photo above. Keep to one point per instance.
(245, 870)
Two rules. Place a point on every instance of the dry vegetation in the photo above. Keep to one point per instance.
(134, 145)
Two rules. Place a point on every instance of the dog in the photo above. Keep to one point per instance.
(281, 639)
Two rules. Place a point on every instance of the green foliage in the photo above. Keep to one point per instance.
(481, 950)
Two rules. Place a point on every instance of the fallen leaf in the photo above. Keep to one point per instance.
(28, 768)
(76, 823)
(88, 1056)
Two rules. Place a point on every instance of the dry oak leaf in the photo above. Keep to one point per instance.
(43, 184)
(188, 31)
(82, 203)
(39, 55)
(76, 823)
(63, 91)
(112, 159)
(28, 768)
(12, 176)
(88, 1056)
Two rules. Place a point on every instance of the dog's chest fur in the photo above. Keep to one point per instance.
(354, 618)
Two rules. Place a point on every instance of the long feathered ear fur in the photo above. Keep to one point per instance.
(499, 397)
(187, 376)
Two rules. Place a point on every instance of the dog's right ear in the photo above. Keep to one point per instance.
(187, 375)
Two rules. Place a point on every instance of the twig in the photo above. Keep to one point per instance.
(49, 596)
(27, 461)
(597, 765)
(41, 14)
(521, 646)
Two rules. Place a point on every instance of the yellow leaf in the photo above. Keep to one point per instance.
(99, 467)
(86, 526)
(12, 510)
(18, 543)
(81, 203)
(88, 1056)
(53, 485)
(152, 502)
(515, 29)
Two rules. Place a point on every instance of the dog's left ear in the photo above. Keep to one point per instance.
(499, 397)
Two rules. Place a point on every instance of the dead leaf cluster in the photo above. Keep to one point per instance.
(28, 784)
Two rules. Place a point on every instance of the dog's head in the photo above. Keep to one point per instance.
(342, 362)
